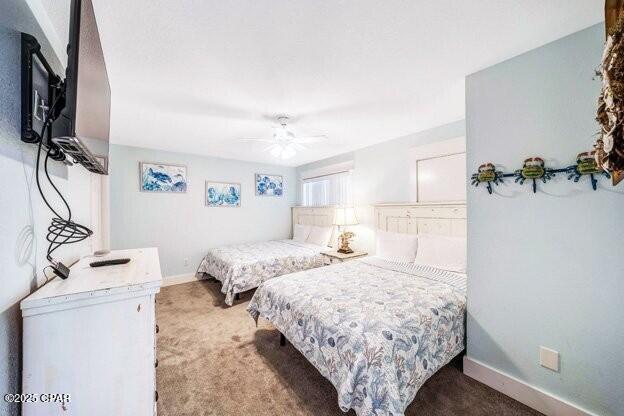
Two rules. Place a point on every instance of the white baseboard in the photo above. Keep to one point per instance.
(519, 390)
(179, 278)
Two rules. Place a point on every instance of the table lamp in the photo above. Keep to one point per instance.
(343, 217)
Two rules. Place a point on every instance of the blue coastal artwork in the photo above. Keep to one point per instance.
(157, 177)
(223, 194)
(269, 185)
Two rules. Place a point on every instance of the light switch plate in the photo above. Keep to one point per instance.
(549, 358)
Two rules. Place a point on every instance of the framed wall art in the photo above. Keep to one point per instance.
(223, 194)
(163, 177)
(269, 185)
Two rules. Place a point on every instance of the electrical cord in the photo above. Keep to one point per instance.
(61, 231)
(45, 274)
(67, 231)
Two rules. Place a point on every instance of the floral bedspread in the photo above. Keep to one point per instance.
(243, 267)
(376, 329)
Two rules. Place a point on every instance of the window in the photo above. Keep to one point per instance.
(333, 189)
(441, 178)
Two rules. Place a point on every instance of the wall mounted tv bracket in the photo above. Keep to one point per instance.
(41, 88)
(79, 152)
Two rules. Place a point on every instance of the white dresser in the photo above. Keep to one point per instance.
(92, 337)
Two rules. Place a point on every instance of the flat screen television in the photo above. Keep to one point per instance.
(83, 126)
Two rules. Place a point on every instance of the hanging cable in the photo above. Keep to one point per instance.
(61, 231)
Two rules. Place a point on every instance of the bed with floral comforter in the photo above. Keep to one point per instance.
(243, 267)
(376, 329)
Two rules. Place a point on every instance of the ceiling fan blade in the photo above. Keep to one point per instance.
(253, 139)
(299, 146)
(310, 139)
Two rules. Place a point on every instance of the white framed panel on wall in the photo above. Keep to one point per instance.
(441, 178)
(438, 171)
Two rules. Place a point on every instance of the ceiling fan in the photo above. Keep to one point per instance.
(284, 144)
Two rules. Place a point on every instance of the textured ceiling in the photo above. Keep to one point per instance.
(194, 76)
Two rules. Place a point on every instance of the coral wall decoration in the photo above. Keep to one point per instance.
(610, 115)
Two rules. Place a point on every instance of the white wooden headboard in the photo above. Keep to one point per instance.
(421, 218)
(321, 216)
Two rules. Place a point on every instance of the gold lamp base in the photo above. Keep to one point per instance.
(347, 250)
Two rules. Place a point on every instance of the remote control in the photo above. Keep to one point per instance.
(108, 262)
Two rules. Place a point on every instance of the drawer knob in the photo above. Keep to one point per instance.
(156, 363)
(157, 329)
(155, 395)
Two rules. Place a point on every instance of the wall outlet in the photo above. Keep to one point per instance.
(549, 358)
(185, 262)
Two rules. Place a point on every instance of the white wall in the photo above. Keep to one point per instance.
(547, 268)
(25, 218)
(180, 225)
(384, 173)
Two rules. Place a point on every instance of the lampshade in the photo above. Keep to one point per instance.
(345, 216)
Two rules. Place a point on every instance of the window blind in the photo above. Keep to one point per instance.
(333, 189)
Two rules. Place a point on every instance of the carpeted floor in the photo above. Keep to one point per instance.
(214, 361)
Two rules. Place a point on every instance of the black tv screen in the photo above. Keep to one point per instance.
(83, 128)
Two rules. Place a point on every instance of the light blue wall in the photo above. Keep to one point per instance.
(545, 269)
(180, 225)
(382, 173)
(25, 218)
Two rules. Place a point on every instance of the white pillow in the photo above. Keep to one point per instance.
(301, 232)
(396, 246)
(320, 236)
(443, 252)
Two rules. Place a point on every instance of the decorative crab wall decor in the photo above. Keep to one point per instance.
(533, 169)
(586, 165)
(487, 173)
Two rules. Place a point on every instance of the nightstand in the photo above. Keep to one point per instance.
(333, 257)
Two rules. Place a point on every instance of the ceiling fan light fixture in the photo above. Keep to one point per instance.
(288, 152)
(276, 150)
(284, 143)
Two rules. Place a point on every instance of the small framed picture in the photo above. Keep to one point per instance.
(223, 194)
(269, 185)
(162, 177)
